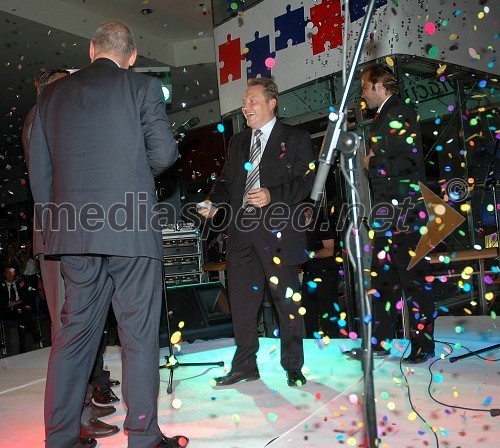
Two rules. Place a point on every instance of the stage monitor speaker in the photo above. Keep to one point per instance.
(204, 309)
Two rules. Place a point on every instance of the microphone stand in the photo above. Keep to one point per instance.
(489, 182)
(348, 145)
(170, 360)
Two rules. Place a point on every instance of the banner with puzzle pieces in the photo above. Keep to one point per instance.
(297, 41)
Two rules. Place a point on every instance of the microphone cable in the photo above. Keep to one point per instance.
(494, 412)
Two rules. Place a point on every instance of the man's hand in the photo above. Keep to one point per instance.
(366, 160)
(260, 197)
(14, 303)
(206, 209)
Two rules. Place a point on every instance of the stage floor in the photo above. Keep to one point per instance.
(327, 411)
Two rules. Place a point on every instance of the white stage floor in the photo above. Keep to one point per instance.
(324, 413)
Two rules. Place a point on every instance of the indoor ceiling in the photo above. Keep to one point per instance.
(36, 35)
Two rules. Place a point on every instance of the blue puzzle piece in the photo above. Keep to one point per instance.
(357, 8)
(258, 52)
(291, 26)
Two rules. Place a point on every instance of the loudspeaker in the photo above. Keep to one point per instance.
(171, 198)
(204, 309)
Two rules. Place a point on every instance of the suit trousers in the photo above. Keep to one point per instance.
(250, 266)
(392, 280)
(53, 285)
(319, 297)
(137, 299)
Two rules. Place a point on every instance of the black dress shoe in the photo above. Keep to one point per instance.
(101, 411)
(94, 428)
(172, 442)
(295, 378)
(418, 358)
(234, 377)
(104, 395)
(357, 353)
(113, 383)
(85, 443)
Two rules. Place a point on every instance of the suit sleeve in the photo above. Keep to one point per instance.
(301, 180)
(161, 146)
(40, 167)
(394, 148)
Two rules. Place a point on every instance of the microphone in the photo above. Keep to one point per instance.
(179, 133)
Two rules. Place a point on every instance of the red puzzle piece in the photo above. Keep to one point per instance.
(230, 58)
(327, 17)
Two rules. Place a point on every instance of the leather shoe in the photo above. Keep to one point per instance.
(85, 443)
(104, 395)
(357, 353)
(295, 378)
(172, 442)
(101, 411)
(234, 377)
(418, 358)
(113, 383)
(94, 428)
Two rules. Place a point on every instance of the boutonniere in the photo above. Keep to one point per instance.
(283, 150)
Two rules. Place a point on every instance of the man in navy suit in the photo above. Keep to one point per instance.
(53, 286)
(99, 137)
(266, 239)
(395, 165)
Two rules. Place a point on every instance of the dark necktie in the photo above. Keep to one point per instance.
(253, 177)
(375, 118)
(12, 293)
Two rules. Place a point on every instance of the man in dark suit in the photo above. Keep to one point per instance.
(17, 303)
(99, 137)
(53, 284)
(395, 165)
(261, 250)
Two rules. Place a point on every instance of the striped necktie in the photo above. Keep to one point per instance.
(253, 177)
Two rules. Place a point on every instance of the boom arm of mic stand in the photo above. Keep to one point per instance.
(327, 157)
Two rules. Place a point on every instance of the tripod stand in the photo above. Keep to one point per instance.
(170, 360)
(475, 352)
(490, 182)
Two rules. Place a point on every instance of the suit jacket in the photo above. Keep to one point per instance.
(397, 166)
(26, 295)
(285, 172)
(98, 138)
(37, 234)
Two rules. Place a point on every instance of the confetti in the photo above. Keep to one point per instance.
(176, 403)
(353, 399)
(272, 417)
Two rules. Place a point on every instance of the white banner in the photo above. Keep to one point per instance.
(297, 41)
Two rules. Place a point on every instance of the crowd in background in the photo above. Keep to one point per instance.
(22, 297)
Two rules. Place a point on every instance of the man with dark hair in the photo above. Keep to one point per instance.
(395, 165)
(267, 174)
(99, 137)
